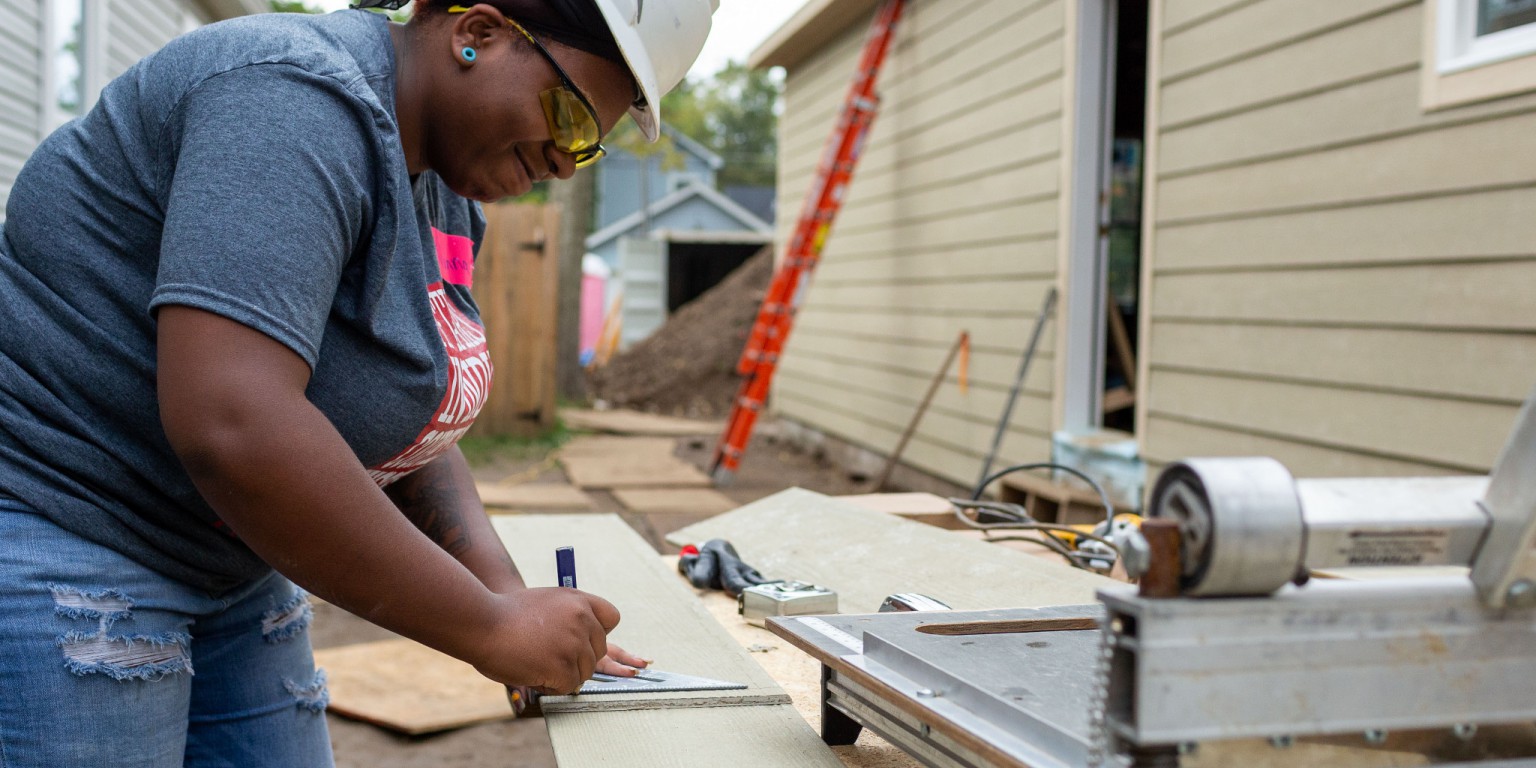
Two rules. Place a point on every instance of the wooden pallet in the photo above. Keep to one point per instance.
(1052, 502)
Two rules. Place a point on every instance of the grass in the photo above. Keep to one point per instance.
(485, 450)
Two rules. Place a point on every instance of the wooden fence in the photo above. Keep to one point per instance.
(516, 280)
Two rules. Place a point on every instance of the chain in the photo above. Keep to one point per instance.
(1098, 700)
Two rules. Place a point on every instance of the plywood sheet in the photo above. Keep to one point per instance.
(740, 737)
(633, 472)
(866, 555)
(625, 422)
(926, 508)
(904, 504)
(608, 446)
(704, 501)
(661, 619)
(408, 687)
(535, 497)
(607, 461)
(800, 677)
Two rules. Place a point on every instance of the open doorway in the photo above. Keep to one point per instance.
(695, 267)
(1103, 281)
(1122, 224)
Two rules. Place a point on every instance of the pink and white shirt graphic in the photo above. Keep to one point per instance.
(455, 257)
(469, 382)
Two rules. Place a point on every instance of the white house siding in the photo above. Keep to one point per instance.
(20, 87)
(147, 28)
(119, 33)
(1337, 278)
(950, 225)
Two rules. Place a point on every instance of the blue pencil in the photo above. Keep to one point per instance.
(565, 566)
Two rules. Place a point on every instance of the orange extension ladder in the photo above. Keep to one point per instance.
(776, 317)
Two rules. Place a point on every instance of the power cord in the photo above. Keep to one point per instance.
(1019, 519)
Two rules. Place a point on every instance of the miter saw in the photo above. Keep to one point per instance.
(1232, 634)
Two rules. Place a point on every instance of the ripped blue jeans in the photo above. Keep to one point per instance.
(106, 662)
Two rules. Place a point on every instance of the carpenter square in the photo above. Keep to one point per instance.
(654, 681)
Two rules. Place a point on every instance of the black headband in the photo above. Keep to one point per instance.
(577, 23)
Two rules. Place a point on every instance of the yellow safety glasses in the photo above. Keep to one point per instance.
(572, 119)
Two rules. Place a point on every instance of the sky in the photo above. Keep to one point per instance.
(740, 25)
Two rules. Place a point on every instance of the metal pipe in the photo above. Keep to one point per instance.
(1046, 309)
(922, 408)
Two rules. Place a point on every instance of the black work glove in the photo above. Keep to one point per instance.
(717, 566)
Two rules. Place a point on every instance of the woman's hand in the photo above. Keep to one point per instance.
(621, 663)
(548, 639)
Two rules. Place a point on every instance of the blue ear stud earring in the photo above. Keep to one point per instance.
(469, 53)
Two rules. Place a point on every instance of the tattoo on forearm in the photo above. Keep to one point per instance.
(431, 503)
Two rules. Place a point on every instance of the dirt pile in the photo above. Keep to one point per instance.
(688, 366)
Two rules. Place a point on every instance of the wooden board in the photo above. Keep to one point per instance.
(408, 687)
(626, 462)
(661, 619)
(740, 737)
(624, 422)
(800, 677)
(704, 501)
(927, 508)
(533, 497)
(665, 622)
(866, 555)
(610, 446)
(903, 504)
(633, 472)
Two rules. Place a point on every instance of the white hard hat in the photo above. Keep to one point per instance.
(660, 40)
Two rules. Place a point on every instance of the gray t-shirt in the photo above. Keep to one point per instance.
(253, 169)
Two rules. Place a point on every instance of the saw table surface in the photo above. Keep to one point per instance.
(1010, 698)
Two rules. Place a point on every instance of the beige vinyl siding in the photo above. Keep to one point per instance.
(20, 96)
(136, 33)
(950, 225)
(1337, 278)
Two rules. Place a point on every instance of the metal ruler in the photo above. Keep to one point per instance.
(654, 681)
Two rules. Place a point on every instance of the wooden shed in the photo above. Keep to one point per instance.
(1316, 220)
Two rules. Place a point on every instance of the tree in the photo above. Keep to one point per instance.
(575, 197)
(300, 6)
(293, 6)
(740, 116)
(734, 114)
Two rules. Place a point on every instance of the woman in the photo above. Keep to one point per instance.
(239, 337)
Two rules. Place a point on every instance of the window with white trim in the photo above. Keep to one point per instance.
(1485, 32)
(1478, 50)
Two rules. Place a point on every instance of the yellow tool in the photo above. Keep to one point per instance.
(1075, 541)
